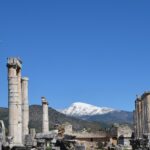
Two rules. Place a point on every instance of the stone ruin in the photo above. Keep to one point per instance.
(141, 117)
(20, 137)
(120, 136)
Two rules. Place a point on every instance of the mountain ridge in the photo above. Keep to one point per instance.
(84, 109)
(99, 114)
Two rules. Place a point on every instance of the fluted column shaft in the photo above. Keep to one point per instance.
(19, 106)
(147, 113)
(14, 100)
(25, 106)
(140, 117)
(137, 118)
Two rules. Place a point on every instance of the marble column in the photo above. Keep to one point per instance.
(140, 117)
(25, 106)
(137, 119)
(45, 118)
(143, 117)
(15, 124)
(19, 105)
(147, 111)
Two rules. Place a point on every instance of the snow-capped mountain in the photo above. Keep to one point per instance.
(78, 109)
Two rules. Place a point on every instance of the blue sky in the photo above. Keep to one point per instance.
(96, 52)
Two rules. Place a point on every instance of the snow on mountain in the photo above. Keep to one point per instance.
(83, 109)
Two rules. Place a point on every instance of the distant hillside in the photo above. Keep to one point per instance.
(111, 117)
(55, 117)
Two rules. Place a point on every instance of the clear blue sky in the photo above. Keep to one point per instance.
(91, 51)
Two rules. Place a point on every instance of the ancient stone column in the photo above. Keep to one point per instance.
(25, 106)
(45, 120)
(146, 95)
(15, 124)
(137, 119)
(140, 117)
(138, 111)
(143, 116)
(19, 104)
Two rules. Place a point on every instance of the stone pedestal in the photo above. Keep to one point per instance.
(45, 120)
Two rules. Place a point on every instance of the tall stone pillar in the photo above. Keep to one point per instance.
(137, 119)
(147, 111)
(143, 117)
(45, 120)
(25, 106)
(14, 69)
(140, 117)
(19, 104)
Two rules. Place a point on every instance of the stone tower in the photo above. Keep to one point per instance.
(25, 106)
(14, 99)
(45, 120)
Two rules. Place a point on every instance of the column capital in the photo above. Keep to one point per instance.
(24, 79)
(14, 62)
(145, 94)
(44, 101)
